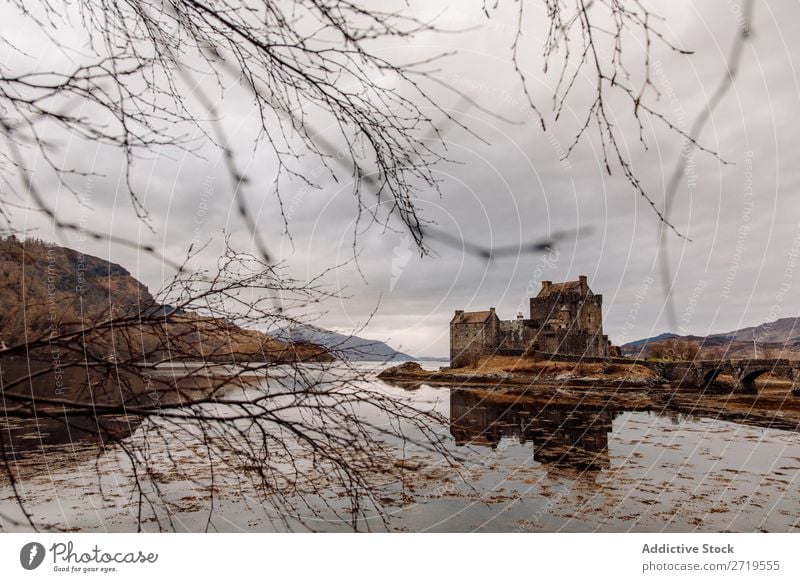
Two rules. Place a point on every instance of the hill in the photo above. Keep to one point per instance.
(784, 331)
(43, 284)
(47, 289)
(348, 347)
(637, 346)
(777, 339)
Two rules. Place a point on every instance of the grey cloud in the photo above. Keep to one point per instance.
(516, 189)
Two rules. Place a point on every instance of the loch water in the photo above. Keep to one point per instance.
(521, 468)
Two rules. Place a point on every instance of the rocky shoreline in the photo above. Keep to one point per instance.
(773, 405)
(635, 377)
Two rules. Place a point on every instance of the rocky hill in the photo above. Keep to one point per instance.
(46, 288)
(43, 284)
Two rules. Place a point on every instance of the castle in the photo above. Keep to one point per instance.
(565, 318)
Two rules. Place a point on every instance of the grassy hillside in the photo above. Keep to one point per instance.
(721, 346)
(47, 289)
(43, 285)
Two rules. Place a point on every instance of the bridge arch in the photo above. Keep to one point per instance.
(748, 377)
(752, 376)
(710, 376)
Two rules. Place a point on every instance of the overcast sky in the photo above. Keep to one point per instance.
(511, 186)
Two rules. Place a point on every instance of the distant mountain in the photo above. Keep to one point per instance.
(780, 338)
(785, 330)
(348, 347)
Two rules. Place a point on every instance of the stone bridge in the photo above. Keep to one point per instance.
(703, 373)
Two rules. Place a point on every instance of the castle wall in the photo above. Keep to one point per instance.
(517, 334)
(543, 308)
(590, 315)
(466, 343)
(573, 343)
(586, 313)
(522, 336)
(469, 341)
(578, 329)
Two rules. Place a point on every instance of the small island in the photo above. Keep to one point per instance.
(560, 354)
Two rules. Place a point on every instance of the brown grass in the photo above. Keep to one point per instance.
(523, 365)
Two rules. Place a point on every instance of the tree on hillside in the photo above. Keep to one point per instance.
(149, 76)
(674, 349)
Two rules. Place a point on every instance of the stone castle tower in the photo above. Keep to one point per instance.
(565, 318)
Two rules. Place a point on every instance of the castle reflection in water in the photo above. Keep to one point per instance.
(564, 436)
